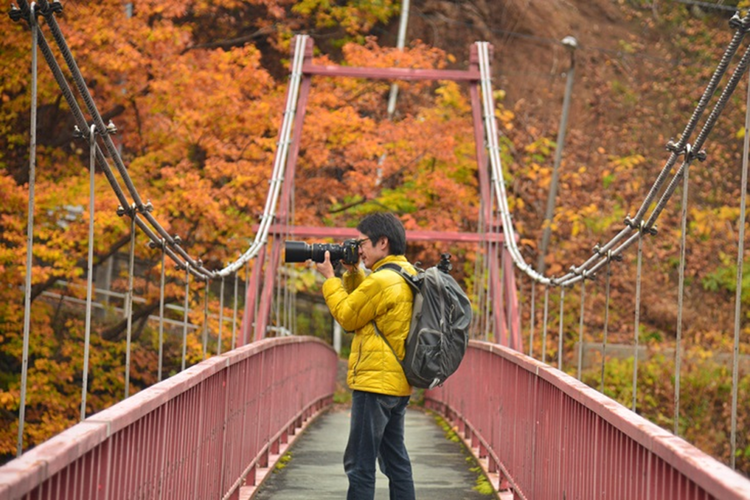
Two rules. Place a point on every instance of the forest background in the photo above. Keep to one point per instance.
(197, 88)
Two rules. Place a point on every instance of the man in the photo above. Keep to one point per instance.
(380, 391)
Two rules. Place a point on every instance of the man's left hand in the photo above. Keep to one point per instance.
(326, 268)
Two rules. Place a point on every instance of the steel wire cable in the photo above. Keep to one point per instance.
(636, 329)
(104, 130)
(544, 323)
(279, 167)
(580, 328)
(532, 318)
(144, 209)
(233, 343)
(186, 310)
(607, 281)
(101, 160)
(680, 301)
(29, 230)
(205, 322)
(221, 317)
(601, 256)
(89, 271)
(129, 302)
(561, 332)
(604, 253)
(738, 283)
(708, 93)
(162, 280)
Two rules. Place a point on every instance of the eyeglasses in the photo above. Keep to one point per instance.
(359, 242)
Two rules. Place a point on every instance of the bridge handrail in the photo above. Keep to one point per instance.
(549, 435)
(199, 434)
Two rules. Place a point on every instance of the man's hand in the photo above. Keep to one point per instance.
(326, 268)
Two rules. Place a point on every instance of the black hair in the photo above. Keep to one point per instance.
(384, 224)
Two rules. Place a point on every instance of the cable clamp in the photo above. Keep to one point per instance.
(692, 155)
(610, 256)
(49, 9)
(640, 226)
(686, 150)
(162, 243)
(146, 209)
(673, 147)
(130, 211)
(17, 14)
(77, 132)
(111, 128)
(736, 23)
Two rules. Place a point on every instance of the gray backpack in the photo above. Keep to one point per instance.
(439, 331)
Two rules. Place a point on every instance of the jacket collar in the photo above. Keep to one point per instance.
(398, 259)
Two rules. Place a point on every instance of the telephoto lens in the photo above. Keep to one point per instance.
(299, 251)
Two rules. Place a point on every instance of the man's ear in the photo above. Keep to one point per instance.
(386, 243)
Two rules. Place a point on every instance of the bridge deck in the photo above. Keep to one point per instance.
(441, 469)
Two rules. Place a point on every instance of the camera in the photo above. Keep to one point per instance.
(299, 251)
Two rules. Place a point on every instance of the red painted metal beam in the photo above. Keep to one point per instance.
(341, 233)
(408, 74)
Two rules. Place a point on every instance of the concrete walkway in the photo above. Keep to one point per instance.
(316, 471)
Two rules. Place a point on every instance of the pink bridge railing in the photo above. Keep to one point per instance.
(544, 435)
(207, 432)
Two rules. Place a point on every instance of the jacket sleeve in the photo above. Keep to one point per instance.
(352, 279)
(352, 310)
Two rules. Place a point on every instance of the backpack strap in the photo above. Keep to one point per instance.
(400, 270)
(377, 330)
(414, 287)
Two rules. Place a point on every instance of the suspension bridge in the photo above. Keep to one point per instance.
(216, 428)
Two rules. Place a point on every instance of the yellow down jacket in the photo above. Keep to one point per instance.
(355, 301)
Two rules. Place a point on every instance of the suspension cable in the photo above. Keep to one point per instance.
(544, 324)
(560, 332)
(532, 318)
(580, 327)
(681, 147)
(162, 280)
(279, 167)
(738, 294)
(606, 321)
(680, 303)
(636, 329)
(29, 231)
(129, 299)
(234, 313)
(205, 322)
(89, 270)
(186, 309)
(221, 317)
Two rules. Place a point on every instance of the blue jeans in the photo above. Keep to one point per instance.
(377, 435)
